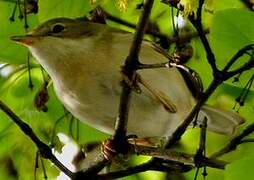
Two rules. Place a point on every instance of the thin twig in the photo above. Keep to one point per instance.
(244, 67)
(182, 128)
(239, 54)
(43, 148)
(163, 166)
(197, 23)
(247, 141)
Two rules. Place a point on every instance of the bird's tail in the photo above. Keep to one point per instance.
(220, 121)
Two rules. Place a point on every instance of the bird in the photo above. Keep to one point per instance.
(84, 61)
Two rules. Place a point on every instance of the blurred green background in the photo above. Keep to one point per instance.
(231, 27)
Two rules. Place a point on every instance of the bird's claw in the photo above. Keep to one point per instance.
(108, 149)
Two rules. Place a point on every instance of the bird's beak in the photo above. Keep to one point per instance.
(26, 40)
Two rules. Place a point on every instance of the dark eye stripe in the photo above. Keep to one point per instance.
(58, 28)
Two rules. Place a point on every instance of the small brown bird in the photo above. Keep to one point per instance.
(84, 61)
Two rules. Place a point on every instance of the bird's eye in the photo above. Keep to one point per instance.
(58, 28)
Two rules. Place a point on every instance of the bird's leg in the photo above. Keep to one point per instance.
(108, 149)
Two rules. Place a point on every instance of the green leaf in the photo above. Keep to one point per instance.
(52, 9)
(241, 169)
(232, 29)
(226, 4)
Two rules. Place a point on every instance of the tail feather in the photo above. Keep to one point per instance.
(220, 121)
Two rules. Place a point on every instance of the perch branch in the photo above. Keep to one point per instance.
(171, 155)
(167, 160)
(163, 166)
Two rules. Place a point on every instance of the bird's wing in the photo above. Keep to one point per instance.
(156, 93)
(159, 95)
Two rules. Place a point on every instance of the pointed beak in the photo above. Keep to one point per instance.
(26, 40)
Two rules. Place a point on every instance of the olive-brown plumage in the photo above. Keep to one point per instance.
(84, 60)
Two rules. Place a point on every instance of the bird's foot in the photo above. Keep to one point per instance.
(108, 149)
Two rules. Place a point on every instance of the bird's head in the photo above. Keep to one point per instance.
(61, 28)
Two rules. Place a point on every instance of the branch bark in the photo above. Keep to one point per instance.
(43, 148)
(163, 166)
(171, 155)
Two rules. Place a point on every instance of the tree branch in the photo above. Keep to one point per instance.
(166, 160)
(163, 166)
(171, 155)
(245, 67)
(197, 23)
(239, 54)
(129, 70)
(44, 149)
